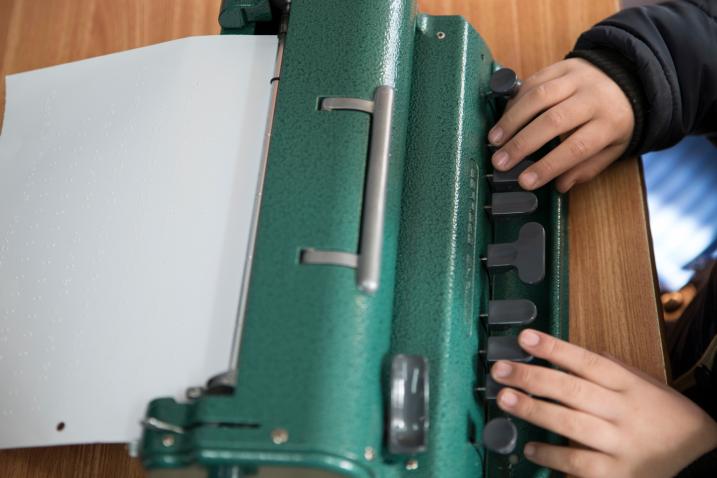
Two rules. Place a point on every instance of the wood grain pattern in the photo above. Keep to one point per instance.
(613, 301)
(526, 35)
(83, 461)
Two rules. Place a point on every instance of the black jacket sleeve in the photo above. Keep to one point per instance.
(665, 59)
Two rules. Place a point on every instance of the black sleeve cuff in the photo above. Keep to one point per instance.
(618, 68)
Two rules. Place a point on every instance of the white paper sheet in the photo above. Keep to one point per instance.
(126, 190)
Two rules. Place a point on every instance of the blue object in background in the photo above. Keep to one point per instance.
(681, 187)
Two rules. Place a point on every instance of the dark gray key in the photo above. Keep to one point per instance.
(526, 255)
(512, 204)
(506, 347)
(517, 312)
(504, 82)
(491, 388)
(508, 180)
(408, 413)
(500, 436)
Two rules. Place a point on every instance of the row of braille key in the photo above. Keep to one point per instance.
(527, 256)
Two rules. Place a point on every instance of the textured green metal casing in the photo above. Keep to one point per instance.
(315, 349)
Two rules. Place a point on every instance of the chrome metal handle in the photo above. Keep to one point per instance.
(368, 263)
(374, 211)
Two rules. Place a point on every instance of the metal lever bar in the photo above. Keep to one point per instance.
(368, 263)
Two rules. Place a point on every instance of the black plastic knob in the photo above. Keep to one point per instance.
(505, 347)
(500, 436)
(490, 389)
(514, 312)
(512, 204)
(508, 180)
(408, 413)
(504, 82)
(526, 254)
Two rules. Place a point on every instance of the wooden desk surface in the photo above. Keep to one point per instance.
(613, 301)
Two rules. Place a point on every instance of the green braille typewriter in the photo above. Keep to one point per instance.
(389, 265)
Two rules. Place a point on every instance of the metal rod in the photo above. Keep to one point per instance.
(241, 311)
(372, 221)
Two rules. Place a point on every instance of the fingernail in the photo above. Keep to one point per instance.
(501, 369)
(509, 399)
(529, 339)
(529, 178)
(495, 135)
(500, 159)
(529, 450)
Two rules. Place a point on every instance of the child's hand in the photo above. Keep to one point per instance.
(623, 422)
(571, 98)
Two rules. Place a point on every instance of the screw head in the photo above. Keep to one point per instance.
(279, 436)
(369, 453)
(412, 464)
(168, 440)
(194, 393)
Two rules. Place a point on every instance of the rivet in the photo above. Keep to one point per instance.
(168, 440)
(279, 436)
(369, 453)
(440, 35)
(412, 464)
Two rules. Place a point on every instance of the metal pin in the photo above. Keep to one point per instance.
(412, 464)
(369, 453)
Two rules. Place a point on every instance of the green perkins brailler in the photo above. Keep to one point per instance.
(364, 338)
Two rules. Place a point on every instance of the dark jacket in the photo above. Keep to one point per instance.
(664, 57)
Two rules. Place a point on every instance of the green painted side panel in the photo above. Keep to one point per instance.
(315, 350)
(313, 344)
(444, 231)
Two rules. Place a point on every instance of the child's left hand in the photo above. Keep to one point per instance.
(623, 423)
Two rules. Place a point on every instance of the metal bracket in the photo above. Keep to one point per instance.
(159, 425)
(368, 261)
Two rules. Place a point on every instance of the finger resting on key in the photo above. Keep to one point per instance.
(567, 389)
(526, 107)
(575, 359)
(579, 426)
(559, 119)
(570, 460)
(579, 146)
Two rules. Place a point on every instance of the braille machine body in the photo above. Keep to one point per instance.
(388, 267)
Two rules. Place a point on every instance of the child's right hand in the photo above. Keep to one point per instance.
(622, 422)
(572, 98)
